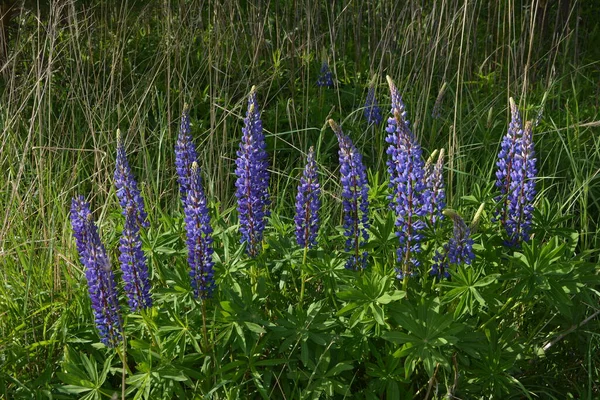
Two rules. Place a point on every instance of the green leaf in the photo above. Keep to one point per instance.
(387, 298)
(255, 328)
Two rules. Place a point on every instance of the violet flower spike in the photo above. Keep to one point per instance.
(100, 278)
(460, 246)
(439, 268)
(252, 184)
(372, 111)
(308, 204)
(522, 191)
(510, 146)
(355, 199)
(199, 239)
(326, 77)
(411, 195)
(185, 154)
(133, 265)
(127, 189)
(434, 180)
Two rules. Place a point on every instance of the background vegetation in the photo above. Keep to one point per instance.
(72, 72)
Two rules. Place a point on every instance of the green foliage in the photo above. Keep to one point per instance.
(516, 324)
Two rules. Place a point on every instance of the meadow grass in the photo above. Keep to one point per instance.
(75, 72)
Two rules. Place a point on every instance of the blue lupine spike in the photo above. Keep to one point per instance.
(127, 190)
(133, 265)
(100, 278)
(510, 146)
(516, 179)
(434, 180)
(199, 237)
(410, 195)
(439, 269)
(355, 198)
(185, 154)
(252, 184)
(372, 111)
(522, 191)
(326, 77)
(460, 246)
(308, 204)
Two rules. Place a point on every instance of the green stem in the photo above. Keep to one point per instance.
(204, 331)
(303, 277)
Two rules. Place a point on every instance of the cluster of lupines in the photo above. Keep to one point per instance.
(355, 198)
(185, 154)
(372, 112)
(515, 178)
(308, 204)
(434, 181)
(326, 77)
(132, 259)
(99, 275)
(410, 197)
(458, 250)
(252, 184)
(199, 239)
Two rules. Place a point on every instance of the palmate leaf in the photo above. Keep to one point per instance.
(429, 335)
(549, 268)
(466, 286)
(366, 299)
(81, 375)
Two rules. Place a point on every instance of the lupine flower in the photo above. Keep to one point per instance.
(460, 246)
(308, 204)
(185, 154)
(522, 190)
(434, 180)
(439, 269)
(99, 275)
(326, 77)
(252, 179)
(133, 264)
(511, 145)
(458, 250)
(372, 111)
(516, 179)
(199, 239)
(127, 189)
(410, 196)
(355, 195)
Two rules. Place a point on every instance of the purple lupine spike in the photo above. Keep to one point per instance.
(522, 190)
(199, 239)
(410, 196)
(510, 146)
(355, 195)
(100, 278)
(252, 184)
(326, 77)
(434, 180)
(516, 179)
(460, 246)
(133, 264)
(439, 269)
(308, 204)
(127, 188)
(372, 111)
(185, 154)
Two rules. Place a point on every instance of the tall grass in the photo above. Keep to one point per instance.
(76, 71)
